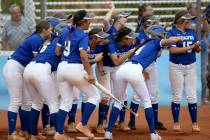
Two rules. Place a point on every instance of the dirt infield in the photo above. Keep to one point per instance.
(142, 133)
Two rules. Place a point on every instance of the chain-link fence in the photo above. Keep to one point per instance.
(34, 10)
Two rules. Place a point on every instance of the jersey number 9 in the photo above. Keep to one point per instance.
(67, 48)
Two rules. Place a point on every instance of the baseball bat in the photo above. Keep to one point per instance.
(108, 93)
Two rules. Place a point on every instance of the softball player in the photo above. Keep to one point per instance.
(13, 74)
(96, 36)
(71, 71)
(109, 68)
(182, 68)
(37, 74)
(151, 82)
(131, 72)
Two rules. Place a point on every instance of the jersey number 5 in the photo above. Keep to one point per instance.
(67, 48)
(187, 44)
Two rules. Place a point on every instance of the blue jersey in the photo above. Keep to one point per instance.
(47, 54)
(112, 31)
(190, 37)
(71, 43)
(92, 53)
(114, 48)
(142, 36)
(147, 54)
(24, 53)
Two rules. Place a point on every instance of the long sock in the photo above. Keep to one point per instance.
(122, 113)
(101, 113)
(193, 112)
(53, 120)
(82, 107)
(25, 122)
(134, 107)
(175, 111)
(113, 118)
(61, 117)
(12, 118)
(150, 119)
(106, 112)
(88, 110)
(72, 113)
(45, 115)
(34, 117)
(155, 111)
(22, 122)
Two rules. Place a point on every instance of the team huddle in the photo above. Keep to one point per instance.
(52, 69)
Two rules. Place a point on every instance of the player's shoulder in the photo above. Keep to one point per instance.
(189, 30)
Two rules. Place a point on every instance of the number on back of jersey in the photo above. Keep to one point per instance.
(44, 46)
(67, 48)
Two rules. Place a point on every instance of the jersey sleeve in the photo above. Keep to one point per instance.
(83, 43)
(111, 48)
(62, 39)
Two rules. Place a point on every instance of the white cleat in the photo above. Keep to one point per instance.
(58, 136)
(195, 127)
(177, 127)
(85, 130)
(108, 136)
(155, 136)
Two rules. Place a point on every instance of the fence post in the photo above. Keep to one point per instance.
(203, 51)
(43, 8)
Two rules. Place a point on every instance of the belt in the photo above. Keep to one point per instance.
(40, 61)
(181, 63)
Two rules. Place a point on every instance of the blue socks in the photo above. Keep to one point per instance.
(22, 122)
(82, 107)
(150, 119)
(72, 113)
(155, 111)
(34, 118)
(61, 117)
(122, 113)
(45, 115)
(12, 118)
(175, 111)
(53, 120)
(112, 119)
(101, 113)
(88, 110)
(193, 112)
(134, 107)
(25, 120)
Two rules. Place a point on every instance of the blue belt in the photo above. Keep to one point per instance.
(181, 63)
(40, 61)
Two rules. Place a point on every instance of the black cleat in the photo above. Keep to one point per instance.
(132, 126)
(160, 126)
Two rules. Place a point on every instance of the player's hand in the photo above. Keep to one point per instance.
(99, 57)
(197, 47)
(90, 79)
(112, 6)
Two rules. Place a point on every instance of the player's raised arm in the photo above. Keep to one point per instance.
(108, 16)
